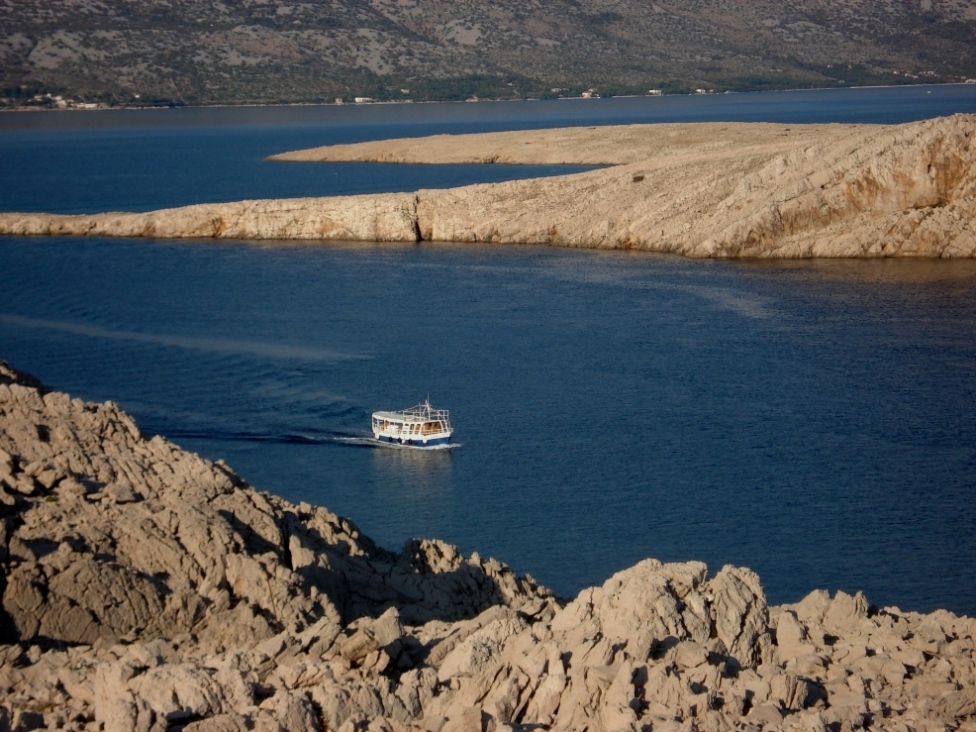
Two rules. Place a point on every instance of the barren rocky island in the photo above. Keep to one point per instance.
(146, 588)
(697, 189)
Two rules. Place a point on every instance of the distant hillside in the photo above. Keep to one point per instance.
(268, 51)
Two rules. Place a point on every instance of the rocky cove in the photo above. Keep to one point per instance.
(145, 587)
(754, 190)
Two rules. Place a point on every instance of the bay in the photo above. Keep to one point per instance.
(811, 420)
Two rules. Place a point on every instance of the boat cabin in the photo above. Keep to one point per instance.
(420, 426)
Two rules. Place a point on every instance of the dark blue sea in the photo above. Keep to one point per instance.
(813, 420)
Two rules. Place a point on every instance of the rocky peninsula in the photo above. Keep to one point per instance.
(146, 588)
(698, 190)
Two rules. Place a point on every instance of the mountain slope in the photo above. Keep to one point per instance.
(191, 51)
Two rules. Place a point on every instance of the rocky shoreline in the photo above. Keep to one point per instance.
(719, 190)
(145, 588)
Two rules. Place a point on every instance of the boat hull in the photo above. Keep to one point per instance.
(416, 442)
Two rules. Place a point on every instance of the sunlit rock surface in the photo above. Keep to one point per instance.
(144, 587)
(699, 190)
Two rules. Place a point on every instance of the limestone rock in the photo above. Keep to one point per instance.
(160, 591)
(387, 217)
(700, 190)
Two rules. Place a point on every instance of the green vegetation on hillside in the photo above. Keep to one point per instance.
(116, 52)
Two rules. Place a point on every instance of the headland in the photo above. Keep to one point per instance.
(720, 190)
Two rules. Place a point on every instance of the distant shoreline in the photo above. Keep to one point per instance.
(256, 105)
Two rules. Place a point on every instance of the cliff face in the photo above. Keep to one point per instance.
(144, 587)
(700, 190)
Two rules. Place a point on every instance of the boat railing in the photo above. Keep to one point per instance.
(426, 412)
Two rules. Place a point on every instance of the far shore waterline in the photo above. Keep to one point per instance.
(400, 102)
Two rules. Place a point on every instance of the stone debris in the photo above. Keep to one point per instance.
(695, 189)
(145, 588)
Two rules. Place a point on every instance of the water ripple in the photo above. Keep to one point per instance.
(213, 345)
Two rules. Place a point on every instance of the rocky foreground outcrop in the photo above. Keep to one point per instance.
(699, 190)
(145, 588)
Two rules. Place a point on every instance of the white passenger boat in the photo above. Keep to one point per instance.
(420, 426)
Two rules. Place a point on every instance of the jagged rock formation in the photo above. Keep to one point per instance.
(700, 190)
(145, 588)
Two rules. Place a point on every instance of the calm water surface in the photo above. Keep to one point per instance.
(813, 421)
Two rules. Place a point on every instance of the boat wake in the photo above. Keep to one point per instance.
(222, 436)
(306, 438)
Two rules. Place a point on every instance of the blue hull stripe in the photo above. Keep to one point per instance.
(416, 443)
